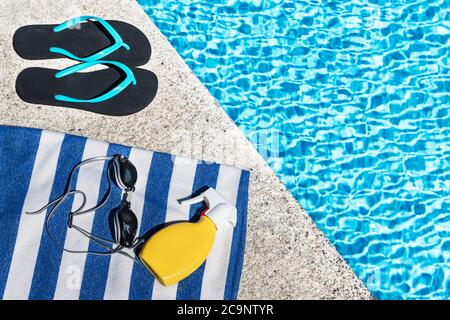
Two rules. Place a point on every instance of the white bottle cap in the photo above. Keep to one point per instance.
(220, 210)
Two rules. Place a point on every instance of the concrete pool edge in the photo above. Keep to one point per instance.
(287, 256)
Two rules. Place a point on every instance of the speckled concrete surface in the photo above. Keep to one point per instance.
(286, 256)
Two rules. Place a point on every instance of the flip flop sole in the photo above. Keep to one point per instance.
(39, 86)
(33, 42)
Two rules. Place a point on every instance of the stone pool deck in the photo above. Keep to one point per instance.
(287, 256)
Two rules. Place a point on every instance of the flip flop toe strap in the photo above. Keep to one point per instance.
(129, 79)
(73, 23)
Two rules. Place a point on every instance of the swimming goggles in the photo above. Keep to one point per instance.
(123, 173)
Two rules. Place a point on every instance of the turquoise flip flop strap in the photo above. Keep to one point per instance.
(108, 95)
(118, 41)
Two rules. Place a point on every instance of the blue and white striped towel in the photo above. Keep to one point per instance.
(34, 166)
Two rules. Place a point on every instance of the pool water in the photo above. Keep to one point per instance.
(348, 101)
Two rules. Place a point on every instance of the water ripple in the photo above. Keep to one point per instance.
(354, 96)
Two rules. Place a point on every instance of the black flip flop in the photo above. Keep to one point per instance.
(85, 38)
(115, 91)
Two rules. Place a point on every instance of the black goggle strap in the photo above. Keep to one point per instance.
(58, 201)
(80, 210)
(99, 240)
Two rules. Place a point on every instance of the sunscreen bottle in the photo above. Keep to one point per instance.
(176, 251)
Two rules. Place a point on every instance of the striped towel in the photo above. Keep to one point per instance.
(34, 167)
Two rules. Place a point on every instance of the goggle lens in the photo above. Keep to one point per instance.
(128, 173)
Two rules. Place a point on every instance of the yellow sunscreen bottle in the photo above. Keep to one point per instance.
(176, 251)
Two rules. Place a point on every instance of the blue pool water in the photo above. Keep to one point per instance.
(351, 100)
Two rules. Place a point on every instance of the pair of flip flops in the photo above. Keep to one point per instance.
(119, 90)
